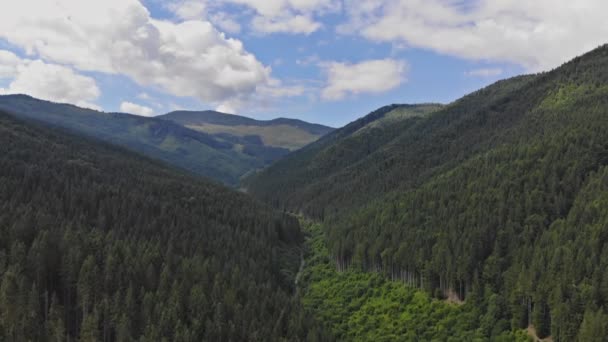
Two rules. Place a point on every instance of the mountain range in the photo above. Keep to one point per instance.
(497, 199)
(220, 146)
(485, 219)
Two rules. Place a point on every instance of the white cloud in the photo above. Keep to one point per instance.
(276, 8)
(308, 60)
(144, 96)
(288, 24)
(265, 96)
(190, 58)
(277, 89)
(188, 9)
(373, 76)
(50, 82)
(226, 108)
(288, 16)
(537, 35)
(226, 22)
(8, 64)
(484, 72)
(134, 108)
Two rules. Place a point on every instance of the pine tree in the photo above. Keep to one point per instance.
(33, 315)
(10, 310)
(89, 331)
(87, 282)
(594, 327)
(55, 327)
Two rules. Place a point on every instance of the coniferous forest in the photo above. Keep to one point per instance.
(485, 219)
(99, 244)
(497, 200)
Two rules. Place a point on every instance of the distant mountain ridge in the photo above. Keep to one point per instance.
(215, 117)
(219, 155)
(290, 134)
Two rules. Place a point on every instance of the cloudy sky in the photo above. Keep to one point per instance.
(327, 61)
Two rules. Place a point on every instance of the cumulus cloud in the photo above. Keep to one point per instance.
(47, 81)
(276, 8)
(288, 24)
(373, 76)
(134, 108)
(277, 89)
(226, 108)
(8, 64)
(537, 35)
(188, 9)
(266, 96)
(189, 58)
(288, 16)
(226, 22)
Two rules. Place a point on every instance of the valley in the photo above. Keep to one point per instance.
(101, 244)
(470, 203)
(226, 152)
(496, 200)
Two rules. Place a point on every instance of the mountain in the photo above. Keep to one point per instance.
(225, 158)
(308, 173)
(99, 243)
(286, 134)
(498, 200)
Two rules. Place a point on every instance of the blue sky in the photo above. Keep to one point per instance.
(325, 61)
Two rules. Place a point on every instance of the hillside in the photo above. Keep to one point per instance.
(498, 199)
(101, 244)
(287, 134)
(223, 158)
(368, 306)
(307, 174)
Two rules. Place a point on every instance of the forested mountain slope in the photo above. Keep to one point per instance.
(223, 157)
(423, 146)
(499, 199)
(366, 306)
(306, 174)
(283, 134)
(99, 244)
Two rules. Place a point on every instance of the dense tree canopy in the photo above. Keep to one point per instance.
(98, 244)
(367, 306)
(498, 199)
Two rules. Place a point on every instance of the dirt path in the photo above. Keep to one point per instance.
(532, 333)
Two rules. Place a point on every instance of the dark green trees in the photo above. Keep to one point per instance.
(97, 244)
(498, 198)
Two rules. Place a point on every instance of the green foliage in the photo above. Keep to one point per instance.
(346, 170)
(311, 178)
(359, 306)
(594, 327)
(99, 244)
(498, 199)
(219, 156)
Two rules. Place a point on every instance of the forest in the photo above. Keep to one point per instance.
(368, 306)
(235, 146)
(497, 200)
(482, 220)
(100, 244)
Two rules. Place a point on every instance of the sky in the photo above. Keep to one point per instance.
(323, 61)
